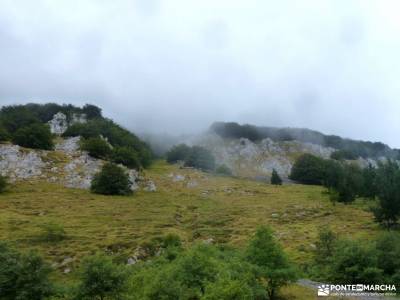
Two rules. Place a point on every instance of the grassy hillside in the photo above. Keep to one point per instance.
(225, 209)
(200, 207)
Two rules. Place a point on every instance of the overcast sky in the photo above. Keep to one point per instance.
(178, 65)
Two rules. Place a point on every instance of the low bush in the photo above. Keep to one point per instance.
(200, 158)
(23, 276)
(53, 232)
(126, 156)
(347, 261)
(275, 178)
(308, 169)
(111, 180)
(3, 184)
(96, 147)
(223, 170)
(101, 279)
(343, 154)
(37, 136)
(4, 135)
(178, 153)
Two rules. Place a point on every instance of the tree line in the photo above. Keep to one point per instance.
(203, 271)
(346, 181)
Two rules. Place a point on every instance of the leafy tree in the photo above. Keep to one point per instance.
(91, 111)
(4, 135)
(178, 153)
(325, 246)
(388, 248)
(275, 178)
(228, 289)
(111, 180)
(16, 117)
(200, 158)
(387, 211)
(234, 130)
(223, 170)
(23, 276)
(349, 184)
(369, 188)
(343, 154)
(116, 136)
(96, 147)
(354, 262)
(272, 265)
(333, 173)
(101, 279)
(308, 169)
(126, 156)
(3, 184)
(37, 136)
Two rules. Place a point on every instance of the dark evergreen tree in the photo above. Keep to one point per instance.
(178, 153)
(111, 180)
(91, 111)
(308, 169)
(275, 178)
(200, 158)
(387, 211)
(3, 183)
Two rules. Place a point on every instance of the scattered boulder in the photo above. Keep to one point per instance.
(178, 177)
(151, 187)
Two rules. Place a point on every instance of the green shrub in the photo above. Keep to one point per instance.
(111, 180)
(37, 136)
(387, 211)
(96, 147)
(126, 156)
(308, 169)
(178, 153)
(53, 232)
(223, 170)
(200, 158)
(3, 184)
(4, 135)
(270, 261)
(23, 276)
(15, 117)
(354, 262)
(91, 111)
(116, 136)
(343, 154)
(275, 178)
(101, 279)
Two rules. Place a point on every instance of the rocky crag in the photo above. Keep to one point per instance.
(257, 159)
(66, 165)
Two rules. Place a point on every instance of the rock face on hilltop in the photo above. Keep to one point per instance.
(59, 124)
(257, 159)
(66, 165)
